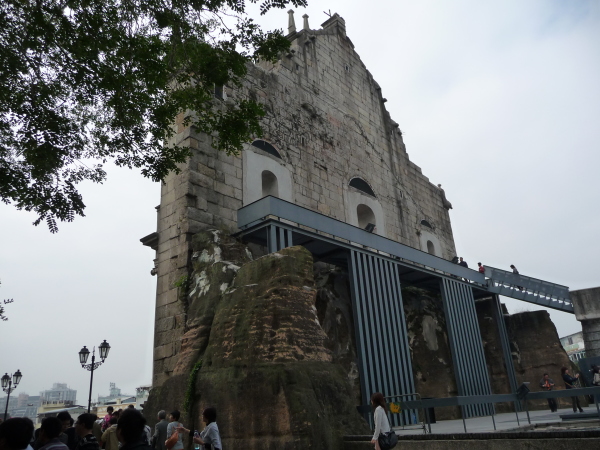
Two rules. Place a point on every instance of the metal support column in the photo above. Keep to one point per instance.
(381, 337)
(468, 358)
(506, 351)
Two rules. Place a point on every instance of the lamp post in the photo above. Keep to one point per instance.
(9, 384)
(84, 353)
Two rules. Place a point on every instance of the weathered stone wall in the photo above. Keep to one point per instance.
(326, 117)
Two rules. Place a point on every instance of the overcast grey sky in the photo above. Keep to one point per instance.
(498, 101)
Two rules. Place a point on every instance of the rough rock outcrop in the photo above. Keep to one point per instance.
(537, 350)
(264, 359)
(430, 351)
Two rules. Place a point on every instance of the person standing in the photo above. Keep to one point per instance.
(16, 433)
(382, 425)
(463, 263)
(109, 437)
(160, 431)
(209, 437)
(130, 430)
(106, 420)
(547, 384)
(481, 268)
(174, 423)
(84, 427)
(50, 430)
(570, 384)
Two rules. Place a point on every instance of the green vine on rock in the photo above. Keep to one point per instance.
(190, 393)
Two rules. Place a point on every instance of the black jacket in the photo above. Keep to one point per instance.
(139, 445)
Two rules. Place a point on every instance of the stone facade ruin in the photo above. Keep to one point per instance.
(275, 333)
(329, 145)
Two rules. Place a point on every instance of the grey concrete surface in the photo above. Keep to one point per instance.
(504, 421)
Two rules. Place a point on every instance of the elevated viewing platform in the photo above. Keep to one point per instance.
(277, 224)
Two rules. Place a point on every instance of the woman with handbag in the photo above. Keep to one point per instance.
(174, 438)
(383, 436)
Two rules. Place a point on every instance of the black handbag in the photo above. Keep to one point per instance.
(387, 440)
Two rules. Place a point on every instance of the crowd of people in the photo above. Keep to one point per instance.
(117, 430)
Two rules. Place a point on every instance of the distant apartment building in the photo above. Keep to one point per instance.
(59, 393)
(113, 393)
(118, 400)
(27, 406)
(574, 346)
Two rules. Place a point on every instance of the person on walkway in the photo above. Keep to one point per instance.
(382, 425)
(130, 429)
(174, 423)
(160, 431)
(454, 260)
(109, 439)
(570, 384)
(16, 433)
(547, 384)
(481, 268)
(50, 430)
(463, 263)
(516, 272)
(83, 428)
(209, 437)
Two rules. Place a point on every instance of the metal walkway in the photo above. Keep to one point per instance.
(329, 240)
(378, 269)
(528, 289)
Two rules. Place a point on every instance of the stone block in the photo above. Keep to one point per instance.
(224, 189)
(164, 351)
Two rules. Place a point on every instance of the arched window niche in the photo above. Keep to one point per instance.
(431, 248)
(270, 185)
(365, 216)
(362, 185)
(265, 146)
(426, 224)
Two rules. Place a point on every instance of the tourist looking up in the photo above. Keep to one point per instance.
(382, 425)
(130, 430)
(547, 384)
(174, 423)
(570, 384)
(160, 431)
(83, 428)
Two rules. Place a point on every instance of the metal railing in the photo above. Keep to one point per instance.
(528, 289)
(424, 404)
(275, 208)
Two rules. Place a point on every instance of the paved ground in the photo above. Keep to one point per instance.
(504, 421)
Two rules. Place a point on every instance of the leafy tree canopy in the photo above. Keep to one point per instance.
(85, 82)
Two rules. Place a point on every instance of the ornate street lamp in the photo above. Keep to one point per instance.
(84, 353)
(9, 384)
